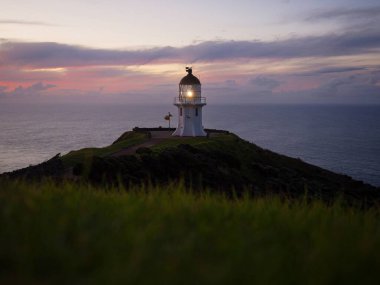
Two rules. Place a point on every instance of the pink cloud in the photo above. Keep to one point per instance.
(246, 68)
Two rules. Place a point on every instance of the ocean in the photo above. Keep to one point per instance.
(344, 139)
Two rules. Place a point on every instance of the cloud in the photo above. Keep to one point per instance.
(109, 72)
(263, 83)
(54, 54)
(332, 70)
(316, 46)
(226, 87)
(346, 14)
(35, 89)
(357, 86)
(3, 90)
(335, 65)
(351, 19)
(63, 55)
(22, 22)
(339, 69)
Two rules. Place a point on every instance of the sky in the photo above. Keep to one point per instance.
(273, 51)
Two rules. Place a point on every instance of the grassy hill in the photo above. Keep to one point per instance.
(151, 209)
(80, 234)
(221, 162)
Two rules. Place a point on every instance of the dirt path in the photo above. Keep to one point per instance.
(132, 149)
(157, 137)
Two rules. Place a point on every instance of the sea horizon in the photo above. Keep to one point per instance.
(339, 137)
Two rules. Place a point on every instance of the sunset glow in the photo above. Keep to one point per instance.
(319, 51)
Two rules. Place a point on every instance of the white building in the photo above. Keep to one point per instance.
(189, 103)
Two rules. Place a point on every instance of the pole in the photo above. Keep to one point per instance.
(167, 117)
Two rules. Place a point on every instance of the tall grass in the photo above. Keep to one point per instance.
(70, 234)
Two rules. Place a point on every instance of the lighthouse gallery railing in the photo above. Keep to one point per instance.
(191, 100)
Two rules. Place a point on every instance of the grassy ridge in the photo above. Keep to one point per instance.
(220, 162)
(72, 234)
(84, 155)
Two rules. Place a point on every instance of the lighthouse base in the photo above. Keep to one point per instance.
(189, 132)
(190, 119)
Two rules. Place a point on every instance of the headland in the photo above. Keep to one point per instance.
(220, 162)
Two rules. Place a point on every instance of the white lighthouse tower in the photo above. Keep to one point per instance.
(189, 103)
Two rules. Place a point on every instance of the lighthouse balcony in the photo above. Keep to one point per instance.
(190, 100)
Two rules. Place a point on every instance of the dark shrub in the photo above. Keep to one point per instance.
(143, 150)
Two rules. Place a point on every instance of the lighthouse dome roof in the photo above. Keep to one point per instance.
(189, 79)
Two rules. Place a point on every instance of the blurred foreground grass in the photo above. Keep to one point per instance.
(72, 234)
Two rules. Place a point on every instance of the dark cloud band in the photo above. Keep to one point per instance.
(22, 22)
(60, 55)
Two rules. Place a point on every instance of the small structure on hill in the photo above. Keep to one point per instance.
(189, 103)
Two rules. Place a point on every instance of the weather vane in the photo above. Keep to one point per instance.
(189, 69)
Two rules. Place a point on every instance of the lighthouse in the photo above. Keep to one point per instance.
(189, 103)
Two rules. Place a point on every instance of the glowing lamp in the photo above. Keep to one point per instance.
(189, 93)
